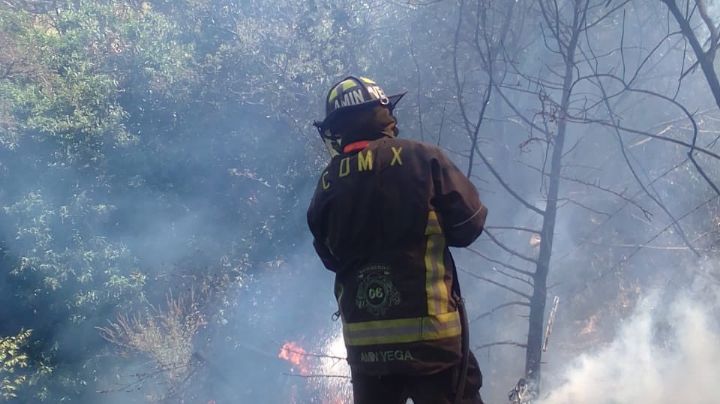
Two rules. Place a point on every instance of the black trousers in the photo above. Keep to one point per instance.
(437, 388)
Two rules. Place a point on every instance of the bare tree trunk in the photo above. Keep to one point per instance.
(706, 59)
(539, 297)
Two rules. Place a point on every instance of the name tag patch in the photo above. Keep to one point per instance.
(386, 356)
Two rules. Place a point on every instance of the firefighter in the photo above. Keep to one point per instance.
(383, 215)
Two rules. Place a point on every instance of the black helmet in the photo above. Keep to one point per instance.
(351, 93)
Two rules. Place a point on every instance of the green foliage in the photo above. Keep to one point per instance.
(67, 78)
(165, 145)
(94, 269)
(65, 75)
(79, 62)
(12, 360)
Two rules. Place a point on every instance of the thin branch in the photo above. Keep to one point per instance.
(645, 212)
(496, 283)
(494, 261)
(702, 9)
(515, 277)
(586, 239)
(606, 15)
(418, 90)
(583, 206)
(703, 173)
(628, 257)
(314, 376)
(624, 152)
(705, 59)
(500, 307)
(645, 246)
(313, 355)
(525, 229)
(473, 128)
(508, 249)
(647, 134)
(500, 343)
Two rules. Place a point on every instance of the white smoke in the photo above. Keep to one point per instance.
(660, 356)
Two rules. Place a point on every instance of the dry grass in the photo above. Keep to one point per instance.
(164, 335)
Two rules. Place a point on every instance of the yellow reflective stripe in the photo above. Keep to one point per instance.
(383, 324)
(348, 84)
(431, 286)
(402, 330)
(333, 94)
(433, 226)
(441, 275)
(367, 80)
(435, 287)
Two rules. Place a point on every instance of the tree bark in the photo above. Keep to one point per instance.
(705, 59)
(539, 297)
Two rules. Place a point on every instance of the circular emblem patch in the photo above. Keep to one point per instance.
(376, 292)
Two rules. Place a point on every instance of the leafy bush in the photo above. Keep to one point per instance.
(12, 359)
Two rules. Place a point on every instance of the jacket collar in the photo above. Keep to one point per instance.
(356, 146)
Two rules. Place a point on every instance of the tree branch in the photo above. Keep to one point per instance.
(508, 249)
(500, 307)
(500, 343)
(496, 283)
(706, 60)
(494, 261)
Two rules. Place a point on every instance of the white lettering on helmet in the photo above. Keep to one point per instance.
(348, 99)
(376, 92)
(352, 98)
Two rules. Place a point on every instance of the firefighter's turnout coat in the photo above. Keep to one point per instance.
(383, 218)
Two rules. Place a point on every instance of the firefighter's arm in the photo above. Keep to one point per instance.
(321, 249)
(325, 255)
(457, 202)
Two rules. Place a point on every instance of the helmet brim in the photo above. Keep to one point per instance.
(392, 102)
(394, 99)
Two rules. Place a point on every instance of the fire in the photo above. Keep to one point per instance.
(335, 390)
(590, 325)
(325, 372)
(295, 354)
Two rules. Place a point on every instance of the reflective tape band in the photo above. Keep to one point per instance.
(348, 84)
(433, 225)
(333, 94)
(435, 287)
(402, 330)
(438, 324)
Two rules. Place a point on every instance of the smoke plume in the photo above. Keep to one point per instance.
(662, 354)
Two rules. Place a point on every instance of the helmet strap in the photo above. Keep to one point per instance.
(332, 142)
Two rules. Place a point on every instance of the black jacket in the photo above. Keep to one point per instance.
(383, 219)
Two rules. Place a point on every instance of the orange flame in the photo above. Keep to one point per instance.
(295, 354)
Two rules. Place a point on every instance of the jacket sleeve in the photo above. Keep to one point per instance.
(326, 256)
(456, 200)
